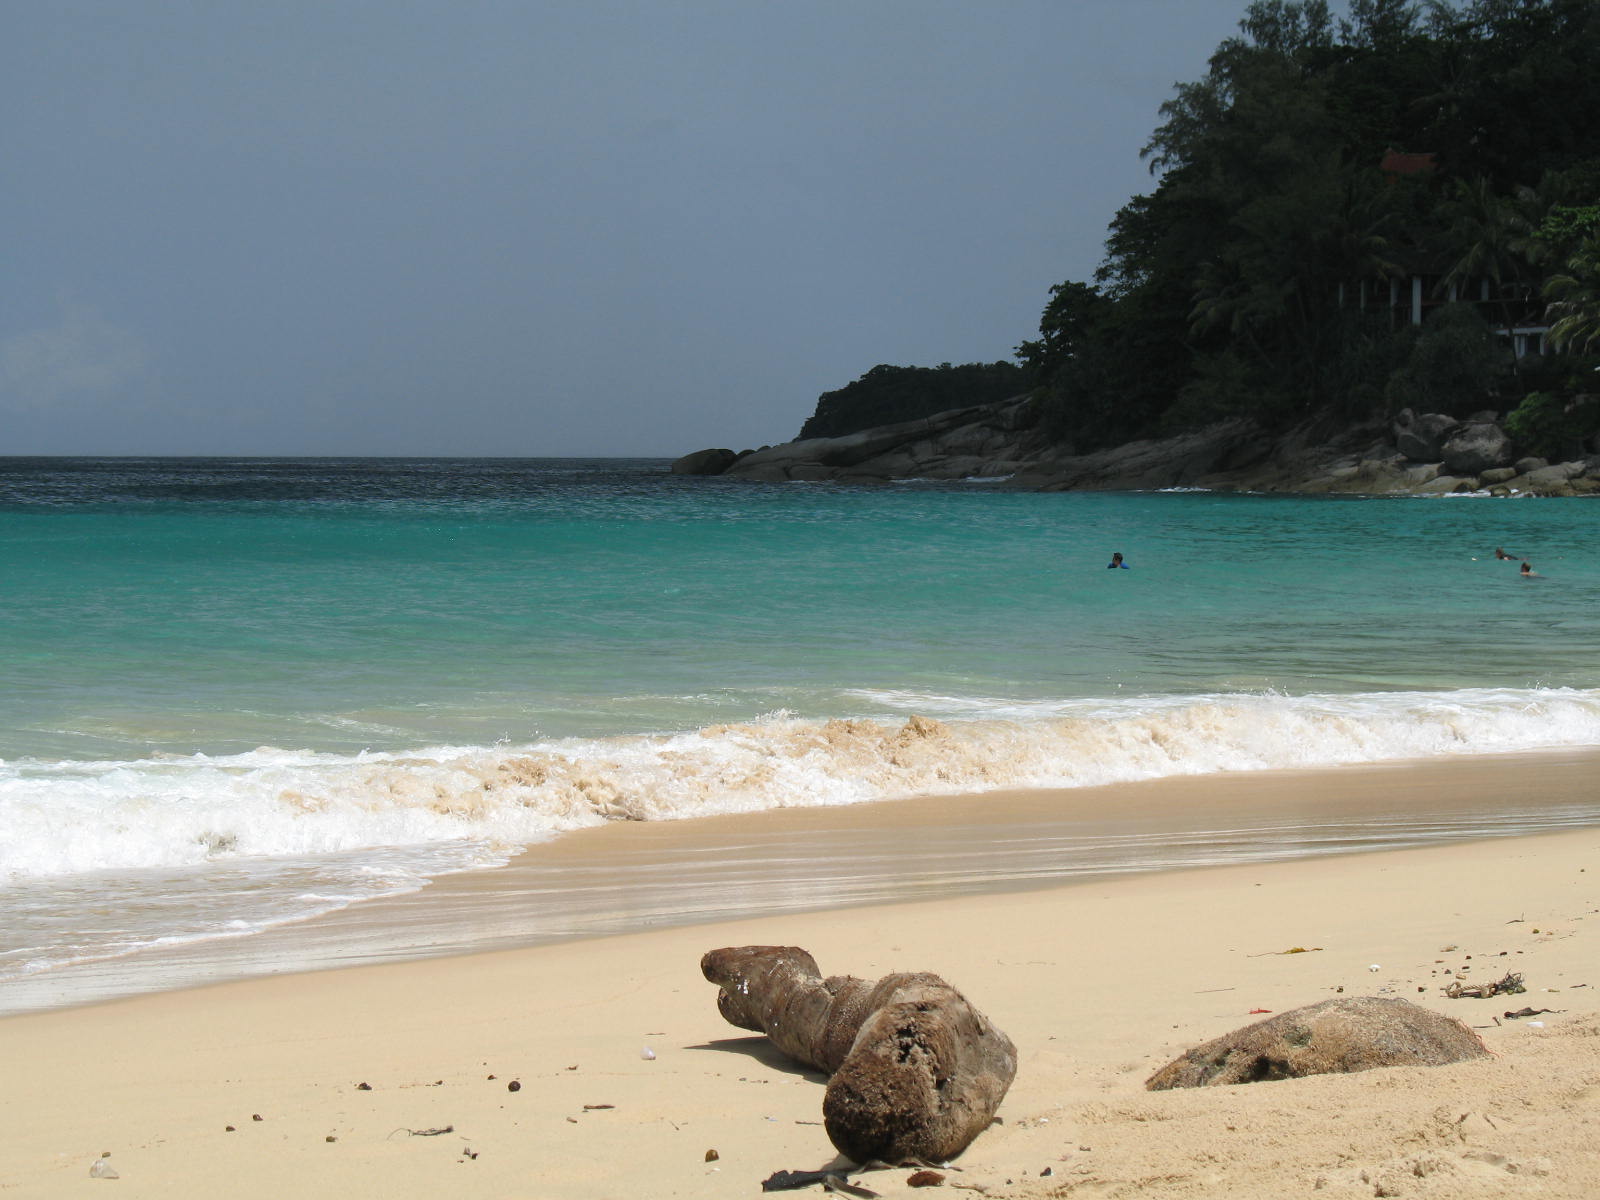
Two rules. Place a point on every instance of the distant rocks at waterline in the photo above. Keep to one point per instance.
(704, 462)
(1339, 1036)
(1005, 446)
(985, 441)
(915, 1071)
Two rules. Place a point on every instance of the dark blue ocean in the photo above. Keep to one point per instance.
(248, 691)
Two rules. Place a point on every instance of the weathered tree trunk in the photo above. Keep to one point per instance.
(917, 1072)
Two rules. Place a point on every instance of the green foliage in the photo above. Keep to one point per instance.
(1224, 385)
(1565, 225)
(1106, 369)
(1072, 321)
(887, 395)
(1575, 300)
(1518, 90)
(1450, 365)
(1367, 354)
(1254, 278)
(1553, 426)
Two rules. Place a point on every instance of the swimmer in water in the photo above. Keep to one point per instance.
(1116, 561)
(1528, 572)
(1501, 554)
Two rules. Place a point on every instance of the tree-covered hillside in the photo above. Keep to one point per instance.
(1351, 214)
(887, 395)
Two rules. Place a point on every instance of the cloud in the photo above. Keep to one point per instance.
(81, 356)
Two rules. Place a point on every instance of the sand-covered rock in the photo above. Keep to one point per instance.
(1339, 1036)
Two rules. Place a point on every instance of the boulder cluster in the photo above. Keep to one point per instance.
(1002, 445)
(1478, 455)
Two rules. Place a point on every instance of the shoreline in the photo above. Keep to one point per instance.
(1429, 454)
(623, 877)
(1097, 983)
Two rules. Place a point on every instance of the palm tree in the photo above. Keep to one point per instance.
(1575, 300)
(1495, 232)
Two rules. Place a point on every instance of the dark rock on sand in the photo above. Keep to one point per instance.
(1339, 1036)
(917, 1072)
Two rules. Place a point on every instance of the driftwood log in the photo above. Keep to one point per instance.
(1351, 1033)
(915, 1071)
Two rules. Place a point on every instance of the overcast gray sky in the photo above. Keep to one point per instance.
(485, 227)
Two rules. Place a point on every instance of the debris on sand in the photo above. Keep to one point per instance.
(916, 1071)
(1508, 985)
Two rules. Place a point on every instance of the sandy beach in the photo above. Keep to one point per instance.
(339, 1082)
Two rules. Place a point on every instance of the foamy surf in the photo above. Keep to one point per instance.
(178, 849)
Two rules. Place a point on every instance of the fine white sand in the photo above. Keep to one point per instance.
(1098, 983)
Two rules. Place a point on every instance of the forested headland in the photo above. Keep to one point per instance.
(1351, 215)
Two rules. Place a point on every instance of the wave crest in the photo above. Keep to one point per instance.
(60, 818)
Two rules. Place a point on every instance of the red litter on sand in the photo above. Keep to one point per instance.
(1254, 1011)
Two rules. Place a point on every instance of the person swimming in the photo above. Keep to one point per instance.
(1116, 561)
(1501, 554)
(1528, 572)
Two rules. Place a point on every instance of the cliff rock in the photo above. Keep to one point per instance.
(1419, 437)
(1477, 447)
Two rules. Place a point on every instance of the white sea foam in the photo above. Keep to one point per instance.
(474, 804)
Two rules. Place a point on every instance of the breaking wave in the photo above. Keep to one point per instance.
(483, 802)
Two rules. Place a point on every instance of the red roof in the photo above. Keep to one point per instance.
(1396, 163)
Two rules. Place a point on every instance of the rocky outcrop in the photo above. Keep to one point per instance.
(1001, 445)
(1339, 1036)
(1421, 437)
(1474, 448)
(705, 462)
(916, 1071)
(987, 440)
(1183, 461)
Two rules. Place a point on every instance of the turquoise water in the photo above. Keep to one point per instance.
(356, 674)
(347, 606)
